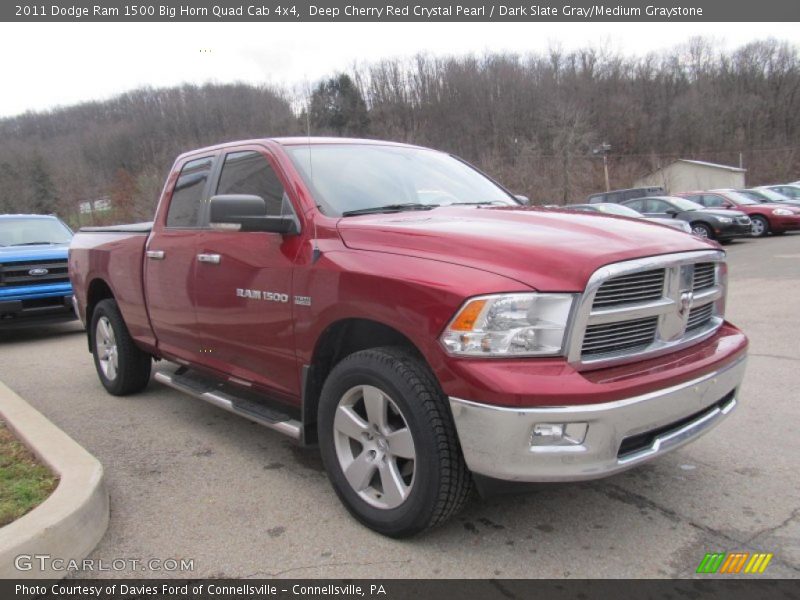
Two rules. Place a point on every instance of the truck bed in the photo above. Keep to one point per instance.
(114, 255)
(143, 227)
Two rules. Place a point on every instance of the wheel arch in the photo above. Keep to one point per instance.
(97, 291)
(337, 341)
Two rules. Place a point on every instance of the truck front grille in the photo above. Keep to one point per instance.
(699, 317)
(645, 307)
(625, 335)
(627, 289)
(15, 274)
(704, 276)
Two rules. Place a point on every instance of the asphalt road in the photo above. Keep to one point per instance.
(188, 480)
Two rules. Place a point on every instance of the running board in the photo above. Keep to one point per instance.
(201, 387)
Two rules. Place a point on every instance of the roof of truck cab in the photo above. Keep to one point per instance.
(298, 141)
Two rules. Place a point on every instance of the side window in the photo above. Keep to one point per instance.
(184, 207)
(711, 201)
(637, 205)
(657, 206)
(250, 173)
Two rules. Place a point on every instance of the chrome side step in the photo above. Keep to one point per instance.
(200, 387)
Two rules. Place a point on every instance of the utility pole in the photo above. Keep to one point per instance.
(604, 149)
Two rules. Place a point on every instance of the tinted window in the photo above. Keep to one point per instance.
(184, 208)
(657, 206)
(637, 205)
(250, 173)
(710, 200)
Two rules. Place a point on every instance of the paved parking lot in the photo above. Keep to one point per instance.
(188, 480)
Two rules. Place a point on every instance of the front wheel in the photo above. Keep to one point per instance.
(702, 230)
(759, 226)
(121, 366)
(389, 444)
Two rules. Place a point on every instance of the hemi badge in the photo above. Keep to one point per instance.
(302, 300)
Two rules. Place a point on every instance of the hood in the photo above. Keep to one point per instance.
(44, 252)
(548, 250)
(719, 212)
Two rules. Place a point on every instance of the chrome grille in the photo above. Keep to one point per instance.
(704, 276)
(637, 287)
(699, 317)
(641, 308)
(18, 273)
(625, 335)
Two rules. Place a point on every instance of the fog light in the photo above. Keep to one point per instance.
(558, 434)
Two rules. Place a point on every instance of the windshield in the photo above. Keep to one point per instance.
(32, 232)
(618, 209)
(772, 195)
(684, 204)
(740, 198)
(345, 178)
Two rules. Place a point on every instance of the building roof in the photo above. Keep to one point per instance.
(703, 163)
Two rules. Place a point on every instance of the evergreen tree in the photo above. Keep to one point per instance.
(337, 105)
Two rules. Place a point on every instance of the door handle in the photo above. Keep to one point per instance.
(155, 254)
(209, 258)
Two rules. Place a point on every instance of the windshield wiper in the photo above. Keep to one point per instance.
(388, 208)
(34, 244)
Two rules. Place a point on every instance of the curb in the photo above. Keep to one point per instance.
(69, 524)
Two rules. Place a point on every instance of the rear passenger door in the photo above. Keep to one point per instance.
(243, 283)
(170, 259)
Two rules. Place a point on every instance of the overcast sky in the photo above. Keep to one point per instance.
(51, 64)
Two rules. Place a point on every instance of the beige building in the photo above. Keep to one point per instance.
(690, 175)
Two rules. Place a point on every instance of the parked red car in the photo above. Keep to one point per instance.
(766, 218)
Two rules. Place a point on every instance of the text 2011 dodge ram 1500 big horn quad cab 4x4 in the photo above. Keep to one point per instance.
(403, 311)
(34, 284)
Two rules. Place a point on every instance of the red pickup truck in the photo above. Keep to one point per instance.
(413, 318)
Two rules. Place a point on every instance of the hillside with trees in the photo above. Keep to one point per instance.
(533, 122)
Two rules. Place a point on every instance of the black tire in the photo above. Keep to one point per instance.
(702, 230)
(760, 227)
(441, 481)
(132, 371)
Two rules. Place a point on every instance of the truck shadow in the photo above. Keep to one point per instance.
(39, 332)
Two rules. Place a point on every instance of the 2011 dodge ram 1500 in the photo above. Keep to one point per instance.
(406, 313)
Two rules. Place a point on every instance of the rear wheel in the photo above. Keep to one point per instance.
(759, 226)
(702, 230)
(122, 367)
(389, 444)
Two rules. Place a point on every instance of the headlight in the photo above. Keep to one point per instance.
(510, 325)
(782, 212)
(725, 220)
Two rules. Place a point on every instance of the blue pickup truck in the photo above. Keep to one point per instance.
(34, 283)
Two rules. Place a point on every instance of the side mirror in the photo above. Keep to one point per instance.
(524, 200)
(671, 212)
(240, 212)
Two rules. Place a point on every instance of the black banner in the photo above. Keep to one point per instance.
(398, 11)
(499, 589)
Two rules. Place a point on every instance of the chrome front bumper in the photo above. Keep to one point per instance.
(497, 442)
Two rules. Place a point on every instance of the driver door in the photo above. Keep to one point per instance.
(243, 283)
